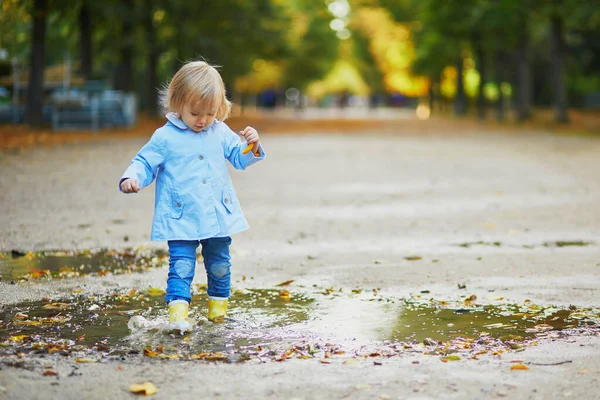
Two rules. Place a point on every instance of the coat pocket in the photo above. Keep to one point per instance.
(176, 204)
(228, 199)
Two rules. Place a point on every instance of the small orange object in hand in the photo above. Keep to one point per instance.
(248, 149)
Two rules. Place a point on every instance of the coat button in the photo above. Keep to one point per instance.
(178, 204)
(201, 157)
(226, 201)
(204, 181)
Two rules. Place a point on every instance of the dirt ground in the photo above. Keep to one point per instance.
(340, 210)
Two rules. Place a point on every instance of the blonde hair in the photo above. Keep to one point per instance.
(196, 82)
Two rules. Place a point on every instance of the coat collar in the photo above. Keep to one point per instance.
(174, 119)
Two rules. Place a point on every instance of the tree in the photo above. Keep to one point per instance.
(124, 79)
(35, 95)
(85, 39)
(314, 46)
(151, 93)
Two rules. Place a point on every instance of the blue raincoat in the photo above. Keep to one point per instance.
(195, 198)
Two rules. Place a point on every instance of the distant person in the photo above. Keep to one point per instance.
(196, 203)
(268, 98)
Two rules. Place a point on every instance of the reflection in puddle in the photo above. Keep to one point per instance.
(269, 323)
(68, 264)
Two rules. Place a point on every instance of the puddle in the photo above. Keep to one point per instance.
(256, 318)
(505, 322)
(16, 266)
(268, 323)
(559, 243)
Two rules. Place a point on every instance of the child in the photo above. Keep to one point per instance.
(195, 203)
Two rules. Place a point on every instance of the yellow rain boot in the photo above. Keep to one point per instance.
(178, 316)
(217, 308)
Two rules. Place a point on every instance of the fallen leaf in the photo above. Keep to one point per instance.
(55, 306)
(19, 338)
(450, 358)
(285, 283)
(50, 372)
(285, 295)
(85, 360)
(156, 292)
(20, 316)
(146, 388)
(519, 367)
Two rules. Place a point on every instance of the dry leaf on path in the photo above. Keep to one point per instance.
(285, 283)
(146, 388)
(519, 367)
(85, 360)
(50, 372)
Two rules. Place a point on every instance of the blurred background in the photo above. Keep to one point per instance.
(82, 64)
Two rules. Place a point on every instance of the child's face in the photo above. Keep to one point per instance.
(198, 117)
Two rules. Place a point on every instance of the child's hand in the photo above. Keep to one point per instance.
(130, 185)
(251, 136)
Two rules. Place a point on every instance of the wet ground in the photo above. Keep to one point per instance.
(421, 266)
(264, 324)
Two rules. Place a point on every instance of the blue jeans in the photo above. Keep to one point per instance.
(182, 265)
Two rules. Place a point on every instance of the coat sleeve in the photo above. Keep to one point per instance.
(145, 164)
(233, 147)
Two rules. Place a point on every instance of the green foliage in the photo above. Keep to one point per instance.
(312, 53)
(365, 62)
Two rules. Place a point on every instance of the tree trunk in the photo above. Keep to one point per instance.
(558, 71)
(431, 97)
(524, 75)
(152, 83)
(460, 102)
(35, 95)
(499, 72)
(124, 80)
(85, 40)
(481, 103)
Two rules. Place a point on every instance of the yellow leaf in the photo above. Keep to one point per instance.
(55, 306)
(519, 367)
(19, 338)
(452, 358)
(470, 299)
(151, 353)
(285, 295)
(28, 322)
(85, 360)
(218, 356)
(156, 292)
(146, 388)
